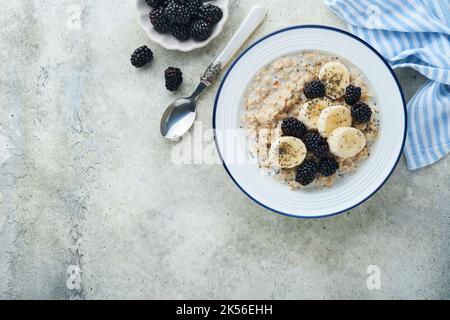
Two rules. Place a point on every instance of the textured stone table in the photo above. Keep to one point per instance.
(92, 206)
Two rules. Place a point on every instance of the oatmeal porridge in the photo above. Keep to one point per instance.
(310, 117)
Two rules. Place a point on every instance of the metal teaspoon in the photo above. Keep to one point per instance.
(180, 115)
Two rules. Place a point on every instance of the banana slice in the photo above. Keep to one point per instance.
(346, 142)
(336, 79)
(287, 152)
(310, 112)
(333, 117)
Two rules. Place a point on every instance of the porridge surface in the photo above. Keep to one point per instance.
(276, 93)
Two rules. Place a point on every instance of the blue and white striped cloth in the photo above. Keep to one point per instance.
(416, 34)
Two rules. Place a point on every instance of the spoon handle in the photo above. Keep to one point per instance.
(245, 30)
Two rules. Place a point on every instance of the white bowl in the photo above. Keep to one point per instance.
(352, 189)
(167, 41)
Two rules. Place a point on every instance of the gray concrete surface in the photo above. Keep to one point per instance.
(92, 207)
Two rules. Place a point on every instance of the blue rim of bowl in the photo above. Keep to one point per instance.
(310, 26)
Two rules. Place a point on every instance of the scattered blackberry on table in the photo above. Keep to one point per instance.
(307, 172)
(314, 89)
(159, 21)
(317, 144)
(176, 13)
(293, 127)
(328, 166)
(200, 30)
(174, 78)
(181, 32)
(352, 95)
(361, 112)
(141, 56)
(210, 13)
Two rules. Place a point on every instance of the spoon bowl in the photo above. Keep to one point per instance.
(178, 118)
(180, 115)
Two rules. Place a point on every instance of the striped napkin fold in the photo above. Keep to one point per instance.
(416, 34)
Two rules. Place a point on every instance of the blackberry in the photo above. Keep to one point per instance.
(159, 21)
(328, 166)
(293, 127)
(361, 112)
(200, 30)
(317, 144)
(176, 14)
(307, 172)
(210, 13)
(174, 78)
(156, 3)
(314, 89)
(352, 95)
(180, 32)
(193, 6)
(186, 2)
(141, 56)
